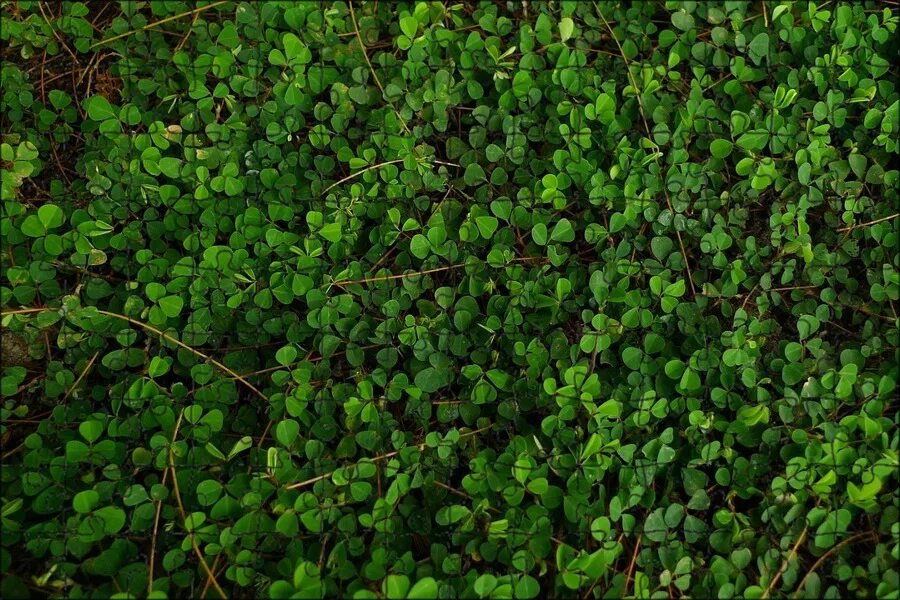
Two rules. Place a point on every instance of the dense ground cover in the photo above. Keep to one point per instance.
(426, 299)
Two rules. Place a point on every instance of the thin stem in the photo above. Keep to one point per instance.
(165, 478)
(426, 272)
(162, 334)
(637, 94)
(362, 47)
(832, 550)
(183, 514)
(181, 344)
(421, 446)
(401, 276)
(84, 372)
(461, 493)
(358, 173)
(784, 565)
(852, 227)
(634, 555)
(56, 33)
(158, 23)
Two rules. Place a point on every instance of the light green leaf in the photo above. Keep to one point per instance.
(566, 28)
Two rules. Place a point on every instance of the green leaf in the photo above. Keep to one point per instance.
(171, 305)
(563, 231)
(51, 216)
(682, 20)
(566, 28)
(331, 232)
(833, 528)
(720, 148)
(605, 106)
(113, 519)
(409, 26)
(522, 83)
(632, 358)
(754, 140)
(99, 109)
(474, 174)
(655, 528)
(484, 585)
(91, 430)
(431, 379)
(759, 47)
(675, 289)
(539, 234)
(239, 446)
(423, 589)
(84, 502)
(420, 246)
(295, 50)
(286, 432)
(286, 355)
(395, 586)
(661, 247)
(487, 225)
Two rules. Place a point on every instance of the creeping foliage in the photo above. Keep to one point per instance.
(460, 300)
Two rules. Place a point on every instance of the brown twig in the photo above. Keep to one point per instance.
(401, 276)
(181, 344)
(183, 514)
(322, 551)
(56, 33)
(865, 310)
(362, 46)
(13, 451)
(43, 73)
(637, 548)
(597, 580)
(747, 298)
(84, 372)
(384, 257)
(88, 69)
(784, 565)
(153, 536)
(59, 164)
(857, 226)
(832, 550)
(187, 34)
(208, 580)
